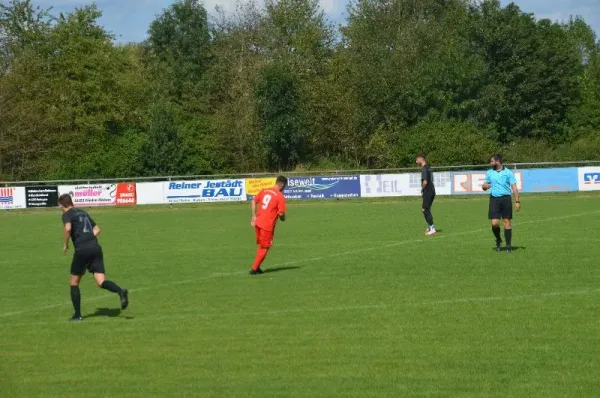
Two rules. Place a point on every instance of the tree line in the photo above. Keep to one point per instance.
(277, 86)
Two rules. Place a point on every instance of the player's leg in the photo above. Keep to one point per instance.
(427, 203)
(507, 218)
(494, 214)
(97, 267)
(264, 240)
(78, 266)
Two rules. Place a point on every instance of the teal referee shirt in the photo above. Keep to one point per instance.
(500, 182)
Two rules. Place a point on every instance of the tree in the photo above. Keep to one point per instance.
(23, 28)
(179, 45)
(68, 105)
(163, 151)
(532, 72)
(408, 58)
(281, 117)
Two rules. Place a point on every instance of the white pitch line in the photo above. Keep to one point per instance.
(196, 315)
(301, 261)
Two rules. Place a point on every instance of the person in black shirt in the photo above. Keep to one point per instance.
(428, 192)
(83, 231)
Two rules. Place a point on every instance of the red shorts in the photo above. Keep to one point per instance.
(264, 238)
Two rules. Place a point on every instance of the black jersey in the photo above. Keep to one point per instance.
(82, 228)
(427, 175)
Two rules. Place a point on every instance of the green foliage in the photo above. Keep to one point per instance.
(277, 86)
(163, 151)
(281, 117)
(533, 72)
(449, 142)
(23, 29)
(179, 48)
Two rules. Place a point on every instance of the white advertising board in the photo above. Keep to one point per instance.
(90, 194)
(233, 190)
(12, 198)
(390, 185)
(589, 178)
(150, 193)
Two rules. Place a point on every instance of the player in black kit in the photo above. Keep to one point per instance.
(83, 231)
(428, 192)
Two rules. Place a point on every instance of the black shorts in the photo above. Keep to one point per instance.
(500, 208)
(89, 258)
(428, 199)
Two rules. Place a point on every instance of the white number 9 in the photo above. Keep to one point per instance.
(266, 200)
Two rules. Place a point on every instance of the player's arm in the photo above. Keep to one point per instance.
(515, 190)
(66, 236)
(95, 228)
(281, 209)
(253, 204)
(423, 181)
(487, 183)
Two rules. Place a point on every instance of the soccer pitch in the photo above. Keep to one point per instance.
(360, 303)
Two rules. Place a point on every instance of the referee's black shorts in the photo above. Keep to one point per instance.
(90, 259)
(500, 208)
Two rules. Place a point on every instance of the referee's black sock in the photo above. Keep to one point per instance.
(496, 231)
(111, 287)
(76, 299)
(508, 236)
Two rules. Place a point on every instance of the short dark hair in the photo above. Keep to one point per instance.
(65, 200)
(420, 155)
(497, 157)
(281, 180)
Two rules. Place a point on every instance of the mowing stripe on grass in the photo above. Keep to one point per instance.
(300, 261)
(468, 300)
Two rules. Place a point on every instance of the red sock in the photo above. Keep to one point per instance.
(261, 253)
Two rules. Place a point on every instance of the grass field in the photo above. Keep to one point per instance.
(361, 303)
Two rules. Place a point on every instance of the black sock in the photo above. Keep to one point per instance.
(508, 236)
(76, 299)
(111, 287)
(496, 231)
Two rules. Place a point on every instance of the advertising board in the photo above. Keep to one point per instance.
(550, 180)
(126, 194)
(588, 178)
(12, 198)
(325, 187)
(408, 184)
(150, 193)
(471, 182)
(255, 185)
(90, 194)
(41, 196)
(233, 190)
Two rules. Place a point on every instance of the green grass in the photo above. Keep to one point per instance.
(362, 305)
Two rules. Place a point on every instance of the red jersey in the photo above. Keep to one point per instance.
(271, 203)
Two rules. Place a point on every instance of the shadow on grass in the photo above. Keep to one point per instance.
(108, 312)
(279, 269)
(514, 248)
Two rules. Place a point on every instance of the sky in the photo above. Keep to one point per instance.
(129, 19)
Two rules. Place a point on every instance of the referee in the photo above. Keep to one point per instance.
(501, 183)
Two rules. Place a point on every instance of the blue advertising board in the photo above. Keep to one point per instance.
(550, 180)
(328, 187)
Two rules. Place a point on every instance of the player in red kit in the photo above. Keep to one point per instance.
(271, 207)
